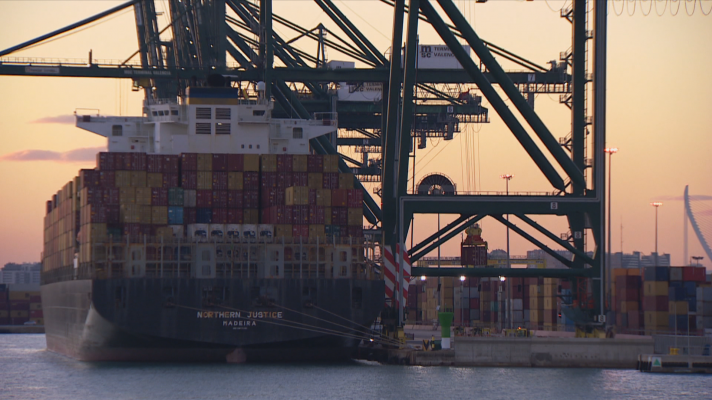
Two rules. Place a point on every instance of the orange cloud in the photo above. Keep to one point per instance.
(71, 156)
(59, 119)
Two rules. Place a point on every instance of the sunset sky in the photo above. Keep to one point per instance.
(659, 113)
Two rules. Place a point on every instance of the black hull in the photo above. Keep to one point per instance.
(215, 320)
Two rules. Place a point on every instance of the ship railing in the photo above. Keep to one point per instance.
(161, 257)
(324, 119)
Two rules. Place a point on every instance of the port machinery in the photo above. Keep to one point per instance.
(207, 36)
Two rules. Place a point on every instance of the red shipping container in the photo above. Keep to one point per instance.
(250, 199)
(251, 180)
(284, 163)
(487, 316)
(93, 195)
(188, 162)
(634, 319)
(525, 302)
(189, 215)
(234, 216)
(316, 214)
(170, 180)
(89, 178)
(268, 180)
(219, 216)
(284, 180)
(655, 303)
(204, 198)
(105, 161)
(699, 274)
(272, 197)
(135, 230)
(107, 179)
(94, 214)
(486, 286)
(300, 231)
(33, 299)
(154, 163)
(219, 180)
(113, 214)
(300, 215)
(36, 314)
(138, 161)
(355, 231)
(627, 295)
(339, 216)
(315, 163)
(330, 180)
(300, 179)
(159, 197)
(20, 305)
(235, 162)
(189, 180)
(339, 197)
(474, 304)
(220, 199)
(170, 163)
(277, 215)
(234, 198)
(220, 162)
(355, 198)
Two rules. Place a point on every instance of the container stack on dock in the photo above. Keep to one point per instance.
(18, 306)
(534, 303)
(138, 197)
(627, 299)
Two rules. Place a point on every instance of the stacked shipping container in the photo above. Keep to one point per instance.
(20, 306)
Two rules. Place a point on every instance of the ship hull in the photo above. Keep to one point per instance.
(215, 320)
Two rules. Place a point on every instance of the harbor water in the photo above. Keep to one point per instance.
(28, 371)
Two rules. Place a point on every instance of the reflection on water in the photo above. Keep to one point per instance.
(27, 371)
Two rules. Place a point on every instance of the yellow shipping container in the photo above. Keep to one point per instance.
(122, 179)
(536, 303)
(678, 307)
(234, 181)
(95, 233)
(205, 162)
(323, 198)
(138, 179)
(551, 281)
(346, 181)
(656, 319)
(315, 180)
(205, 179)
(127, 195)
(629, 306)
(154, 179)
(18, 295)
(297, 196)
(316, 230)
(164, 232)
(19, 314)
(268, 162)
(355, 216)
(159, 215)
(299, 163)
(549, 303)
(535, 316)
(283, 231)
(129, 213)
(251, 163)
(143, 196)
(250, 216)
(327, 215)
(145, 214)
(331, 163)
(550, 290)
(654, 288)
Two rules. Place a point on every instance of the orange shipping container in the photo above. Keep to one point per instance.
(251, 163)
(205, 162)
(315, 180)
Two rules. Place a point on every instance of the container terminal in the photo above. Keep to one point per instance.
(235, 200)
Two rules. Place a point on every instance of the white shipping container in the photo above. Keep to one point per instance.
(436, 56)
(178, 230)
(217, 231)
(189, 197)
(517, 304)
(198, 232)
(265, 232)
(233, 231)
(249, 231)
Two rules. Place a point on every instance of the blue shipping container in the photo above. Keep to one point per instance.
(690, 289)
(692, 305)
(681, 322)
(204, 215)
(659, 274)
(676, 294)
(175, 215)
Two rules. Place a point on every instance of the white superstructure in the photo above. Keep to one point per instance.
(209, 120)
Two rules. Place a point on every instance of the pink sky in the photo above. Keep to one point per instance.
(658, 114)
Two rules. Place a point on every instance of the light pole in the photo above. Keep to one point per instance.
(507, 178)
(462, 320)
(610, 151)
(656, 204)
(698, 259)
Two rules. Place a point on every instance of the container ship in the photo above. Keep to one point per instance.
(208, 232)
